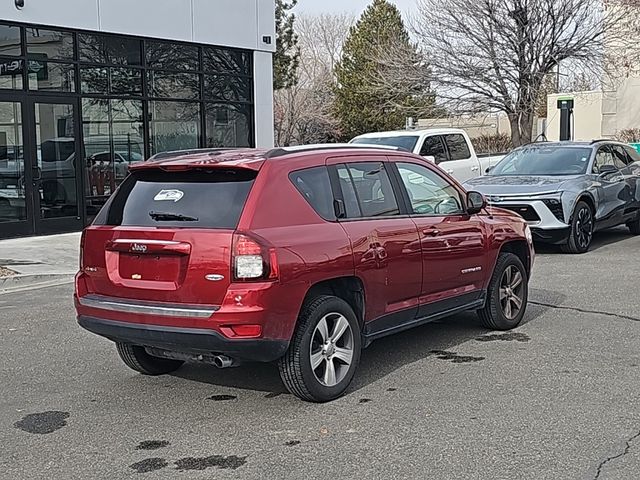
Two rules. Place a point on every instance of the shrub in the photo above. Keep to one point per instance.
(629, 135)
(496, 143)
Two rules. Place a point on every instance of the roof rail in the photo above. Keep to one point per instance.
(193, 151)
(281, 151)
(598, 140)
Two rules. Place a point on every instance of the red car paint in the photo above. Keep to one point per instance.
(408, 265)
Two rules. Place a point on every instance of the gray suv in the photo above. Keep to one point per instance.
(568, 190)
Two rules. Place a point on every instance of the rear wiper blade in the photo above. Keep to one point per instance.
(171, 217)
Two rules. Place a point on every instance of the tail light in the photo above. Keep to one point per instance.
(81, 257)
(253, 260)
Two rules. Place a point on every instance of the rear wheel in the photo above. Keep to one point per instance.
(634, 227)
(324, 352)
(582, 226)
(138, 359)
(507, 295)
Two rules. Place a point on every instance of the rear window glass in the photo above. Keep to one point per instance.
(192, 199)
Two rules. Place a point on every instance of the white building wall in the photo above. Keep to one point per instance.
(232, 23)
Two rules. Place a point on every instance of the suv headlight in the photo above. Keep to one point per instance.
(555, 206)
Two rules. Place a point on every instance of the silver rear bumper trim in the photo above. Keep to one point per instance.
(147, 308)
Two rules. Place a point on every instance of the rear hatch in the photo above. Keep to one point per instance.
(166, 236)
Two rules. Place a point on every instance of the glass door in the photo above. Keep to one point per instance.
(15, 204)
(55, 163)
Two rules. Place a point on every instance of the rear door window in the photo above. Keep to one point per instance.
(458, 147)
(371, 187)
(433, 147)
(315, 187)
(190, 199)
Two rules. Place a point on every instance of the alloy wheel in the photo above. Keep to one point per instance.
(331, 351)
(584, 227)
(511, 292)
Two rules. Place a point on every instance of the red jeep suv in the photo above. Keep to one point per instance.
(299, 255)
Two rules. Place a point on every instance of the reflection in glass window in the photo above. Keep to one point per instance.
(228, 125)
(429, 193)
(94, 79)
(11, 73)
(12, 188)
(49, 44)
(226, 61)
(174, 85)
(51, 77)
(126, 81)
(10, 42)
(174, 126)
(373, 189)
(109, 49)
(227, 88)
(170, 56)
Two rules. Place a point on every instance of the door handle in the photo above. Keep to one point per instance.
(450, 171)
(475, 169)
(431, 232)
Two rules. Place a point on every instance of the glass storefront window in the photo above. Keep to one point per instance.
(170, 56)
(11, 70)
(126, 81)
(10, 41)
(49, 44)
(51, 77)
(227, 88)
(12, 187)
(174, 85)
(174, 126)
(108, 49)
(224, 60)
(228, 125)
(94, 80)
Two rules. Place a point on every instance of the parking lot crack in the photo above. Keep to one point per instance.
(582, 310)
(615, 457)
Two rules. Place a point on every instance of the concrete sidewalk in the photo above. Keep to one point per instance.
(39, 261)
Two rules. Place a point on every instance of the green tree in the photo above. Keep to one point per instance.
(287, 56)
(371, 94)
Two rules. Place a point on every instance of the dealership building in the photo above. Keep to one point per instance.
(89, 86)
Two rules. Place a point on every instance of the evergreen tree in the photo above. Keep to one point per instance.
(364, 104)
(287, 56)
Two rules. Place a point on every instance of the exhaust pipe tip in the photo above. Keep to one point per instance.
(222, 361)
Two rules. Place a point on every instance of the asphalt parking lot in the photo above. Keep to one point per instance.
(556, 399)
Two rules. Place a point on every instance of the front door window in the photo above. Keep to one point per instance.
(12, 184)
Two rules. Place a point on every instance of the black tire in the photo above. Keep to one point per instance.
(634, 227)
(295, 366)
(582, 226)
(493, 314)
(138, 359)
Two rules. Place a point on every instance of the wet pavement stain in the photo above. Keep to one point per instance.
(42, 423)
(392, 389)
(221, 398)
(455, 358)
(214, 461)
(292, 443)
(152, 445)
(364, 400)
(505, 337)
(149, 465)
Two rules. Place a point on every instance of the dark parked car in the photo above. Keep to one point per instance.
(568, 190)
(301, 256)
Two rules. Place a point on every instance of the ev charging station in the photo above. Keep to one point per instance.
(565, 105)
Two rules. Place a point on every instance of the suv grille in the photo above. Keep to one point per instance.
(525, 211)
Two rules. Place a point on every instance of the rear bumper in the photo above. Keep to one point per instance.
(185, 340)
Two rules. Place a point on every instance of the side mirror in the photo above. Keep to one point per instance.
(607, 169)
(430, 158)
(475, 203)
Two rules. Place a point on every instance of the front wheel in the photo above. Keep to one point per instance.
(324, 352)
(138, 359)
(634, 227)
(582, 226)
(507, 295)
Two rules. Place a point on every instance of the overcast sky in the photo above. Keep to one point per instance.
(338, 6)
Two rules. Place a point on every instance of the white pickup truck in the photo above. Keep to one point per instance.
(449, 148)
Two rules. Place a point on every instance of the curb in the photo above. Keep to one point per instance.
(19, 283)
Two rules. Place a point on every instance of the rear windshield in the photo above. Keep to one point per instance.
(192, 199)
(407, 142)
